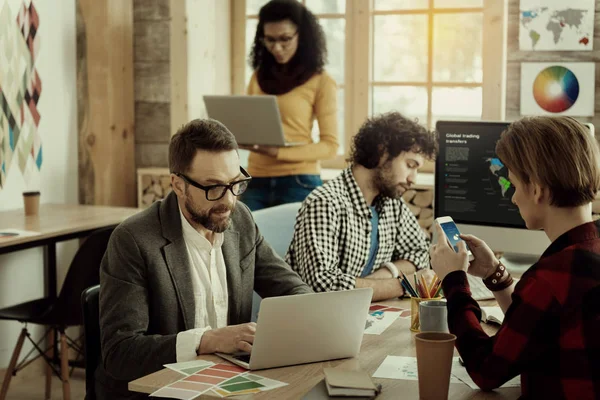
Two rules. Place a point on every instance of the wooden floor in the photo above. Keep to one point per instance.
(33, 388)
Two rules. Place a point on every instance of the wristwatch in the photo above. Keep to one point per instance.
(392, 268)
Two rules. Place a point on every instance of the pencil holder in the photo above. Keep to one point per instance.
(415, 325)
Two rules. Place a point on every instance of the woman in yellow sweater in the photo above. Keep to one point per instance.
(288, 56)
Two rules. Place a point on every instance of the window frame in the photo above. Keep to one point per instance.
(358, 81)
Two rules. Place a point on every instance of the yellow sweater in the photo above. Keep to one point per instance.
(316, 98)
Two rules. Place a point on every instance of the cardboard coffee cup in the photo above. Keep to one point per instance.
(32, 202)
(434, 364)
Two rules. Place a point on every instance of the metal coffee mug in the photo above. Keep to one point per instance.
(433, 316)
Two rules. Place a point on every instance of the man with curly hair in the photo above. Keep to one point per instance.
(356, 231)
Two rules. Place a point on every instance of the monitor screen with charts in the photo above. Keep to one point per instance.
(472, 187)
(251, 119)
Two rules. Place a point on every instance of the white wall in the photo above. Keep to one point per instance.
(21, 274)
(209, 52)
(209, 55)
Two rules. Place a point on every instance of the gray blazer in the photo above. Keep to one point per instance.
(146, 294)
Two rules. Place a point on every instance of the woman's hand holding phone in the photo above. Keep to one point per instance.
(443, 257)
(485, 262)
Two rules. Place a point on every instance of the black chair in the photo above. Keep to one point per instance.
(58, 314)
(90, 302)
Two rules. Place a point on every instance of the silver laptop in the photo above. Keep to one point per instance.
(251, 119)
(307, 328)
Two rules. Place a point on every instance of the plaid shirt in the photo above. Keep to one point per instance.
(332, 235)
(551, 331)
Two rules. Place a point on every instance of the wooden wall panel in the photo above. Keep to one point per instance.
(516, 57)
(151, 40)
(150, 10)
(152, 155)
(152, 27)
(178, 63)
(152, 122)
(106, 102)
(152, 81)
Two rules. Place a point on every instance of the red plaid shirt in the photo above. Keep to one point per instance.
(551, 331)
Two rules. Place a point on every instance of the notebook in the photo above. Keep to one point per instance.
(492, 314)
(340, 382)
(319, 392)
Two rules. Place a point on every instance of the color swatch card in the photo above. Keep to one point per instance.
(245, 384)
(199, 382)
(190, 367)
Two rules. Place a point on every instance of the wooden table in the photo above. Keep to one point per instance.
(397, 340)
(57, 223)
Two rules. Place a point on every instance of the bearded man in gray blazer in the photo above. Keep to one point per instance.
(177, 279)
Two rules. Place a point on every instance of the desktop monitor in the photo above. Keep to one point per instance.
(472, 187)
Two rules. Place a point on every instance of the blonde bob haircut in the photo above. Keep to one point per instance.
(558, 153)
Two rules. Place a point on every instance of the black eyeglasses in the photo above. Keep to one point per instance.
(216, 192)
(285, 41)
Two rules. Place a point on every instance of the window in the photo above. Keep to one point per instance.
(427, 59)
(423, 58)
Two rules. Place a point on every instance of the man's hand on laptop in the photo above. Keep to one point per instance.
(270, 151)
(229, 339)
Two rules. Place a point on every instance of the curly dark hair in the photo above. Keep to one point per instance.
(391, 134)
(312, 47)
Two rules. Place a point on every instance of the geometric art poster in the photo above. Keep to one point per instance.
(551, 25)
(555, 88)
(20, 89)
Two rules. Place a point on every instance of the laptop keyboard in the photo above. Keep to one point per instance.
(245, 357)
(478, 289)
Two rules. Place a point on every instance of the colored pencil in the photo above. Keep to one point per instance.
(437, 293)
(407, 286)
(416, 283)
(434, 284)
(425, 287)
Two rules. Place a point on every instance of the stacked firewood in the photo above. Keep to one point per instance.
(152, 188)
(420, 202)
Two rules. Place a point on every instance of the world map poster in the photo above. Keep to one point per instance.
(547, 25)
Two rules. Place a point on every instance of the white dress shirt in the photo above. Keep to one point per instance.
(209, 281)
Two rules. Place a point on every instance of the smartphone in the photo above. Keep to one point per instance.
(452, 233)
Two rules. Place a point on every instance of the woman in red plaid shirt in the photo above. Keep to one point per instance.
(551, 330)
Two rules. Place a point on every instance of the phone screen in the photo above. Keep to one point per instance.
(452, 233)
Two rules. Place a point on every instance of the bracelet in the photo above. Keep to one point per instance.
(499, 280)
(392, 268)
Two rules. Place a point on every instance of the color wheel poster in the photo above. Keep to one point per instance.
(557, 89)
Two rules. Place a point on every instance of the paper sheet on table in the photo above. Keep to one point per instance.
(461, 373)
(379, 321)
(12, 233)
(398, 367)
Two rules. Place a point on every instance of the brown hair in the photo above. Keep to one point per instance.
(559, 153)
(390, 133)
(198, 134)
